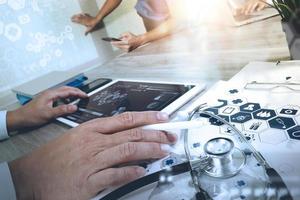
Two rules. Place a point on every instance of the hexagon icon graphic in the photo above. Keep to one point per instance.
(240, 117)
(250, 107)
(16, 4)
(282, 123)
(289, 110)
(228, 110)
(294, 133)
(256, 125)
(264, 114)
(12, 32)
(273, 136)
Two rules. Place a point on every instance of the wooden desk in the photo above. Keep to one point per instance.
(199, 54)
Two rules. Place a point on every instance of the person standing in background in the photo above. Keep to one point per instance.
(156, 15)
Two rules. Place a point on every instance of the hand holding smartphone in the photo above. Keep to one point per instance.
(111, 39)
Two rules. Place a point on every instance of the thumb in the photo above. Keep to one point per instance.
(125, 35)
(62, 110)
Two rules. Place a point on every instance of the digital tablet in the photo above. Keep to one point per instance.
(127, 95)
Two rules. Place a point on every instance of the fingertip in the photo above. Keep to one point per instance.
(166, 149)
(72, 108)
(172, 137)
(140, 171)
(162, 116)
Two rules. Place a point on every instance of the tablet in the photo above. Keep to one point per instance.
(127, 95)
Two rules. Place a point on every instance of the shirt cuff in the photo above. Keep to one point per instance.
(3, 128)
(7, 189)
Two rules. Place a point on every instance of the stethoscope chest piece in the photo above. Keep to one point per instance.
(226, 159)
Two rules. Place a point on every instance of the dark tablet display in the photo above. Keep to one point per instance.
(124, 96)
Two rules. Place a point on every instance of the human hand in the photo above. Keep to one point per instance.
(87, 20)
(251, 6)
(41, 109)
(84, 161)
(129, 42)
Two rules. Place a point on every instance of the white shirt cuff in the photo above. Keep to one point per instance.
(7, 189)
(3, 128)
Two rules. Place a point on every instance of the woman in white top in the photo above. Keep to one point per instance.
(156, 16)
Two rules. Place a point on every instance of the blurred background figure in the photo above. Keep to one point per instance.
(251, 6)
(157, 16)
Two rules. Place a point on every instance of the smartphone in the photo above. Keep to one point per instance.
(111, 39)
(87, 88)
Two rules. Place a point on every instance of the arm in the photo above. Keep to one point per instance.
(79, 164)
(91, 22)
(130, 41)
(176, 21)
(41, 109)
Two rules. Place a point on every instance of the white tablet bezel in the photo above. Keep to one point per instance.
(170, 109)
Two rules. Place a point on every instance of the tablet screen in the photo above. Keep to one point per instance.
(125, 96)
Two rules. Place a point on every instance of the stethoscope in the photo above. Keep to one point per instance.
(221, 159)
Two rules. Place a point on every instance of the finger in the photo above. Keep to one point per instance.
(261, 6)
(247, 9)
(88, 30)
(120, 43)
(251, 8)
(62, 110)
(113, 177)
(129, 152)
(123, 47)
(126, 34)
(128, 120)
(140, 135)
(65, 92)
(77, 18)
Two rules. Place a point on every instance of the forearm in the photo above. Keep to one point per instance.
(22, 183)
(165, 29)
(14, 120)
(107, 8)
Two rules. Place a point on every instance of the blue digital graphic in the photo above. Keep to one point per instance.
(37, 37)
(240, 117)
(250, 107)
(282, 123)
(288, 111)
(264, 114)
(294, 133)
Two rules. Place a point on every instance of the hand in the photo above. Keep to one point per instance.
(251, 6)
(129, 42)
(87, 20)
(84, 161)
(41, 109)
